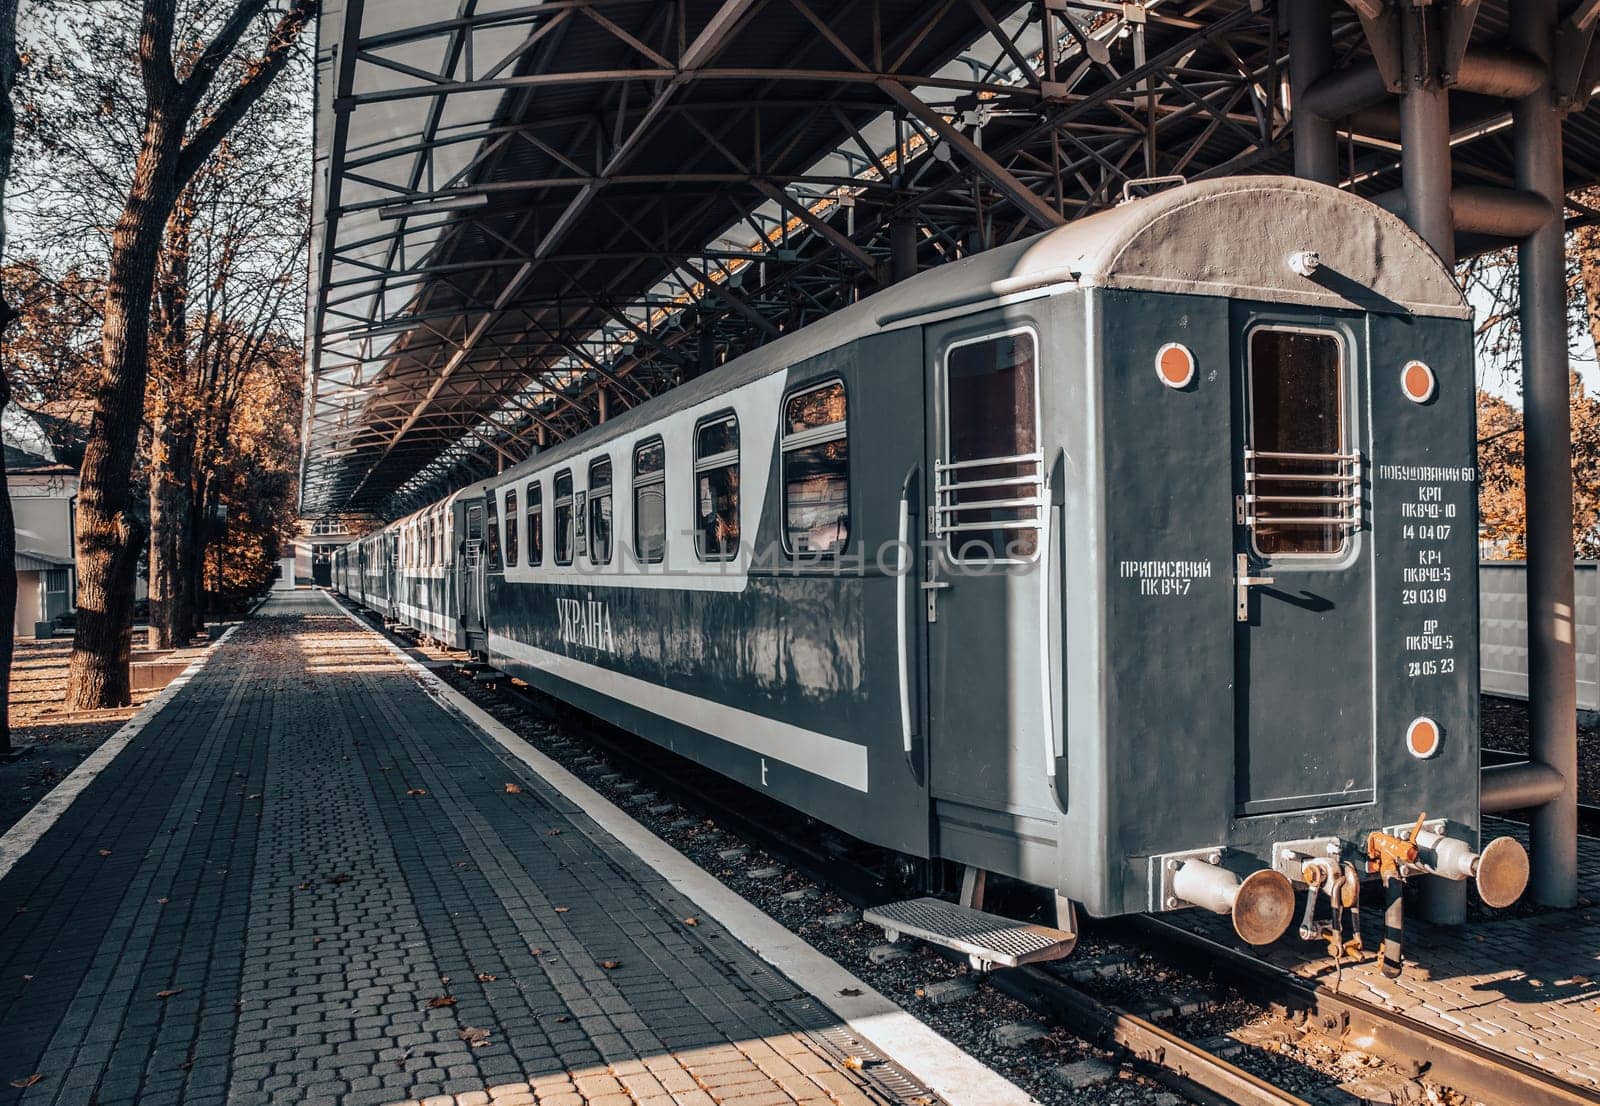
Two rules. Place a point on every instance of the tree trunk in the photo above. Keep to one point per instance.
(109, 531)
(9, 62)
(8, 570)
(172, 438)
(171, 545)
(194, 562)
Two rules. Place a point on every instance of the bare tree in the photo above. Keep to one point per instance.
(9, 63)
(227, 303)
(189, 108)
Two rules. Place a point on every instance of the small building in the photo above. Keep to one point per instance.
(314, 545)
(44, 494)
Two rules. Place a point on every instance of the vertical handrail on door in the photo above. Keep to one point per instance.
(1046, 673)
(905, 559)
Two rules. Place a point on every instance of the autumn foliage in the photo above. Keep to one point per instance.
(1502, 514)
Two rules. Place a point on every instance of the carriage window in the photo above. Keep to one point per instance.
(600, 511)
(564, 517)
(491, 532)
(535, 497)
(650, 502)
(512, 537)
(716, 483)
(816, 471)
(991, 482)
(1303, 488)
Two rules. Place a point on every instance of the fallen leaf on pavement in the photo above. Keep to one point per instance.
(486, 977)
(441, 1000)
(169, 994)
(853, 1063)
(342, 877)
(475, 1037)
(851, 992)
(26, 1082)
(416, 791)
(610, 965)
(513, 789)
(553, 833)
(691, 921)
(562, 909)
(105, 852)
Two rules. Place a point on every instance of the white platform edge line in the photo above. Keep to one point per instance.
(32, 826)
(947, 1069)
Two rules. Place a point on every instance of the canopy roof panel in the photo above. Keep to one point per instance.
(531, 216)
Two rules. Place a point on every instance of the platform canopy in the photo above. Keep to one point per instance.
(530, 216)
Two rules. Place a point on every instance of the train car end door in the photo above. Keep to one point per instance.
(1303, 569)
(983, 572)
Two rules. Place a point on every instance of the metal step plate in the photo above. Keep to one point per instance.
(986, 938)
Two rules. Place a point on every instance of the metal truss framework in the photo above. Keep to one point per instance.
(647, 189)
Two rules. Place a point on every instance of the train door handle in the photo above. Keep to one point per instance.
(934, 585)
(1243, 582)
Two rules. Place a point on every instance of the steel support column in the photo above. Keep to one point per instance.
(1316, 147)
(1552, 674)
(902, 249)
(1425, 174)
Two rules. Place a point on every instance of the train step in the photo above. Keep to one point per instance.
(987, 940)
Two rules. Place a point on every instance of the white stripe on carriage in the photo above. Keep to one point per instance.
(843, 762)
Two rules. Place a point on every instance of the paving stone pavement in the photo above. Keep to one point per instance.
(1522, 982)
(307, 882)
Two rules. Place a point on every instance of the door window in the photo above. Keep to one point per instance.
(512, 542)
(563, 491)
(1302, 484)
(534, 493)
(816, 471)
(600, 511)
(491, 531)
(991, 479)
(716, 480)
(650, 502)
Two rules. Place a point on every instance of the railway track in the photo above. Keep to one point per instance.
(1164, 1056)
(862, 875)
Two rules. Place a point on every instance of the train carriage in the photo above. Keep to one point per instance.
(1133, 560)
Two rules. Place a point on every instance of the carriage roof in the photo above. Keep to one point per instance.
(1226, 237)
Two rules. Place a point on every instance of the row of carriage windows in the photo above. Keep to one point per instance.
(816, 487)
(990, 482)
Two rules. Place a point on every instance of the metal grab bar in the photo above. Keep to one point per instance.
(975, 504)
(1344, 477)
(1016, 512)
(904, 562)
(1311, 499)
(1007, 524)
(981, 462)
(1265, 455)
(996, 482)
(1305, 477)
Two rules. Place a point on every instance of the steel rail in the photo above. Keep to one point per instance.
(1454, 1062)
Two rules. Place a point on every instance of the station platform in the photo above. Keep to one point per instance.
(306, 879)
(1522, 981)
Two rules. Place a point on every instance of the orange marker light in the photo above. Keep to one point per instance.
(1423, 738)
(1418, 382)
(1175, 365)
